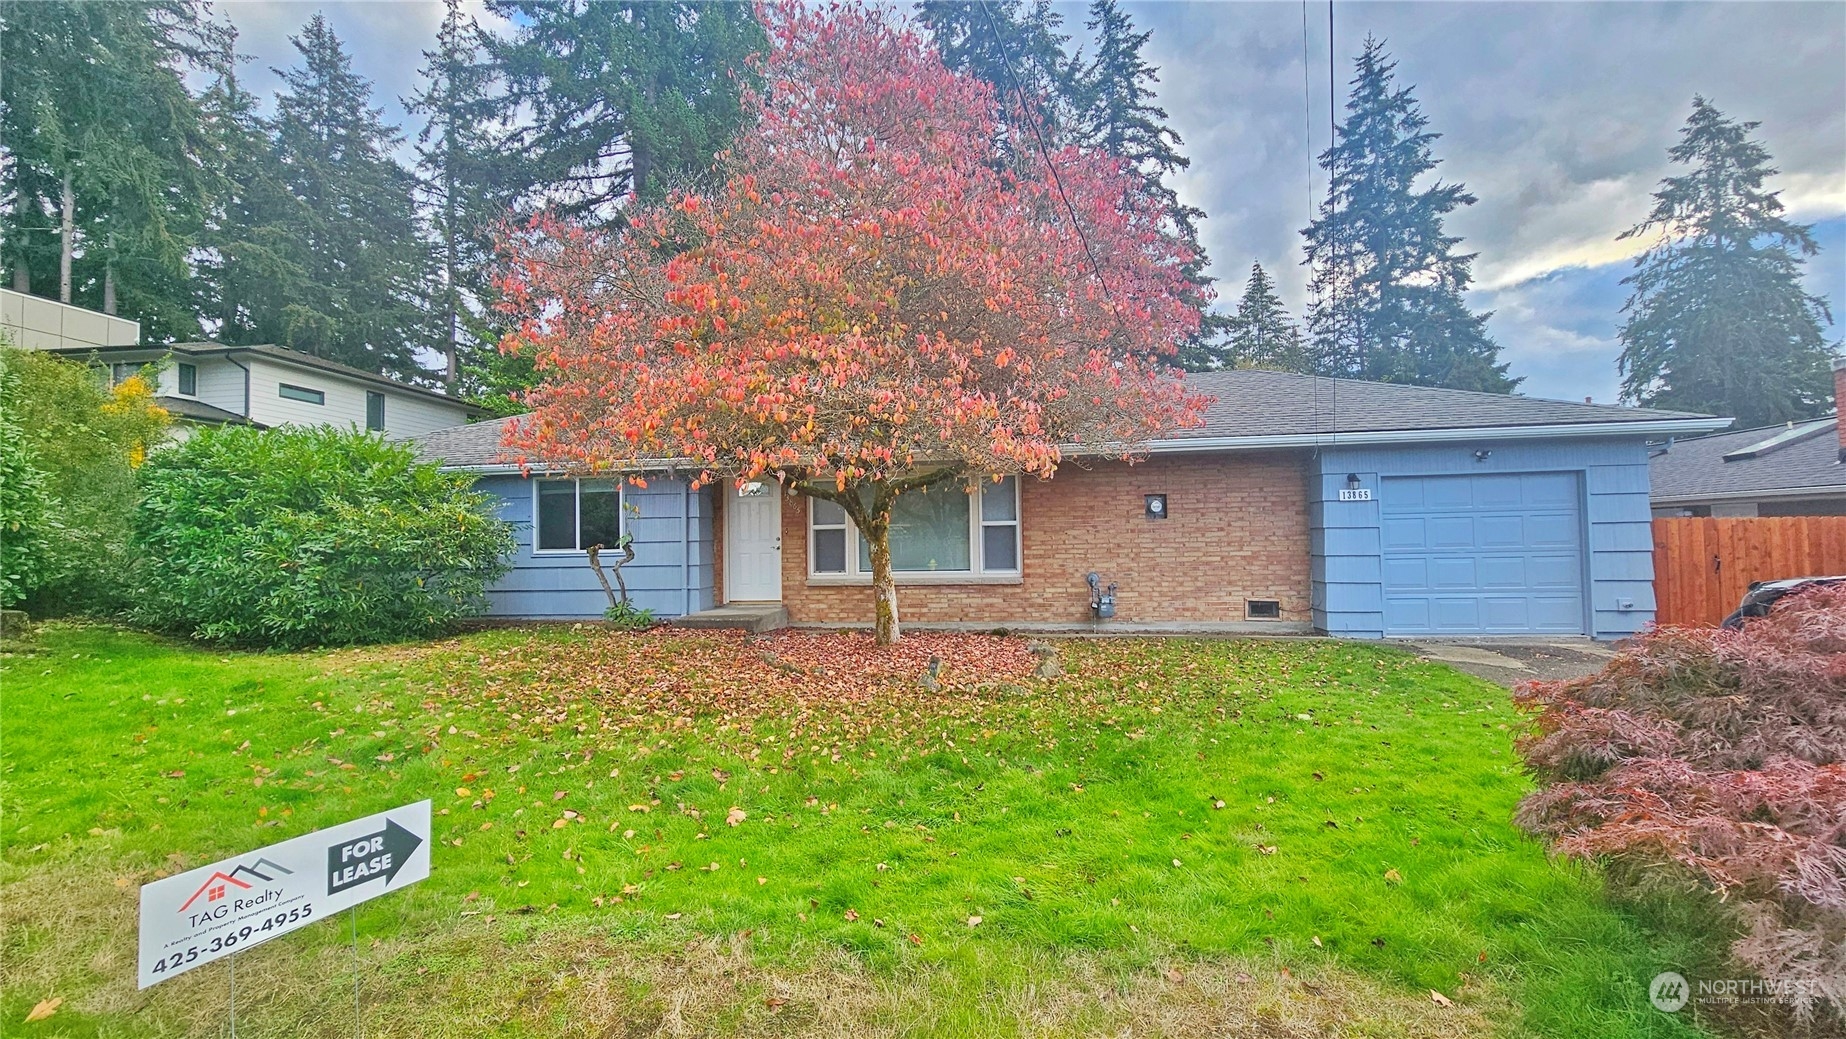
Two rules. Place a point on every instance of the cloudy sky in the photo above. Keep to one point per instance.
(1557, 115)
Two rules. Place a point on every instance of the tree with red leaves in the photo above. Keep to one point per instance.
(870, 301)
(1723, 752)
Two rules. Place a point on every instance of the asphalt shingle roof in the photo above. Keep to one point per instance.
(1695, 468)
(1255, 404)
(1259, 403)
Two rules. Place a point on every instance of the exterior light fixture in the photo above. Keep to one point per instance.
(1352, 481)
(1482, 455)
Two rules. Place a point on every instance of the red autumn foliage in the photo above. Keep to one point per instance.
(1723, 752)
(869, 300)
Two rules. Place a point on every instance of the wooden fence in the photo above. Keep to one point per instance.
(1703, 566)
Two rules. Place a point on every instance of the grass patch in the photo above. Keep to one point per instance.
(678, 833)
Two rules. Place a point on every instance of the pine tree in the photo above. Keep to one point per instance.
(1387, 282)
(462, 186)
(1259, 335)
(1013, 47)
(1718, 321)
(243, 258)
(347, 225)
(618, 98)
(104, 185)
(1117, 111)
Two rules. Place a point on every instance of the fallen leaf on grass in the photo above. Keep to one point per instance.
(851, 915)
(1439, 999)
(735, 816)
(1392, 876)
(974, 921)
(44, 1008)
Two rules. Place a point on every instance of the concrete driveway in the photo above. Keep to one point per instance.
(1511, 661)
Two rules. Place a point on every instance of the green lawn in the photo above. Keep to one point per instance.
(1178, 837)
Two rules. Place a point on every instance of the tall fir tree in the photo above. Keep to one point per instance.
(1387, 281)
(465, 187)
(620, 97)
(1118, 111)
(1015, 47)
(243, 258)
(105, 185)
(1261, 334)
(347, 223)
(1718, 321)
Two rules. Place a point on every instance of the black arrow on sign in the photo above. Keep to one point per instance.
(365, 859)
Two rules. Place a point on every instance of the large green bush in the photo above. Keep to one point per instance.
(304, 537)
(84, 440)
(26, 509)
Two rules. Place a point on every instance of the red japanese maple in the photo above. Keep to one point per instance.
(871, 301)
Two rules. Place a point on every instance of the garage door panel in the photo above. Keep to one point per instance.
(1449, 572)
(1450, 532)
(1405, 532)
(1483, 554)
(1499, 532)
(1407, 572)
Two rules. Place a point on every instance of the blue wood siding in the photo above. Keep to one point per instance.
(673, 572)
(1353, 594)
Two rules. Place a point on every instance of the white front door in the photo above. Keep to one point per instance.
(753, 542)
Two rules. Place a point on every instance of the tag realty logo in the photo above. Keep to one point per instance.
(221, 885)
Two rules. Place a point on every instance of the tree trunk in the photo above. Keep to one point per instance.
(109, 287)
(22, 275)
(67, 235)
(877, 534)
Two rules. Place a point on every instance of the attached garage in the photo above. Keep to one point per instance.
(1487, 554)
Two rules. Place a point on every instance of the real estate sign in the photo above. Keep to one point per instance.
(211, 912)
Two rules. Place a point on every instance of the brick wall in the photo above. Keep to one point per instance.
(1237, 529)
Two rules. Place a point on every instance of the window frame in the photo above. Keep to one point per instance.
(621, 503)
(186, 378)
(370, 397)
(301, 394)
(978, 573)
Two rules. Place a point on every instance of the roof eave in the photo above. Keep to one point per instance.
(1631, 428)
(1837, 490)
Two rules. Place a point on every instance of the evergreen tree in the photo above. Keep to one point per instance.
(347, 227)
(614, 98)
(1718, 321)
(1259, 335)
(1387, 281)
(244, 258)
(463, 191)
(1012, 47)
(104, 187)
(1117, 111)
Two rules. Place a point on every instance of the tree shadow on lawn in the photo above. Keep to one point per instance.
(1004, 856)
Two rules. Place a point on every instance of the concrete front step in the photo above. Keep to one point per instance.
(755, 618)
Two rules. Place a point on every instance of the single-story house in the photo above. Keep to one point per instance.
(209, 384)
(1302, 504)
(1790, 470)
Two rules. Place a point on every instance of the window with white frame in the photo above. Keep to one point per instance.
(572, 515)
(939, 530)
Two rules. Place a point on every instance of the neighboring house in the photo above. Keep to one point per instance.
(213, 384)
(32, 323)
(1791, 470)
(1354, 508)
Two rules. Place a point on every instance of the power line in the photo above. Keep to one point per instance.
(1057, 182)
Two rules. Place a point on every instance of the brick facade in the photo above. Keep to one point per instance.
(1237, 529)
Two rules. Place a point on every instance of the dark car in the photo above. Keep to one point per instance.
(1763, 595)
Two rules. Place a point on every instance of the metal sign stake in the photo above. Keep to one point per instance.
(232, 963)
(358, 1027)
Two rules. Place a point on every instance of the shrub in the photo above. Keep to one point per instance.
(1723, 753)
(629, 617)
(315, 536)
(85, 441)
(26, 511)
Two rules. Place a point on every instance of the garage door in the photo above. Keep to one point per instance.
(1483, 555)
